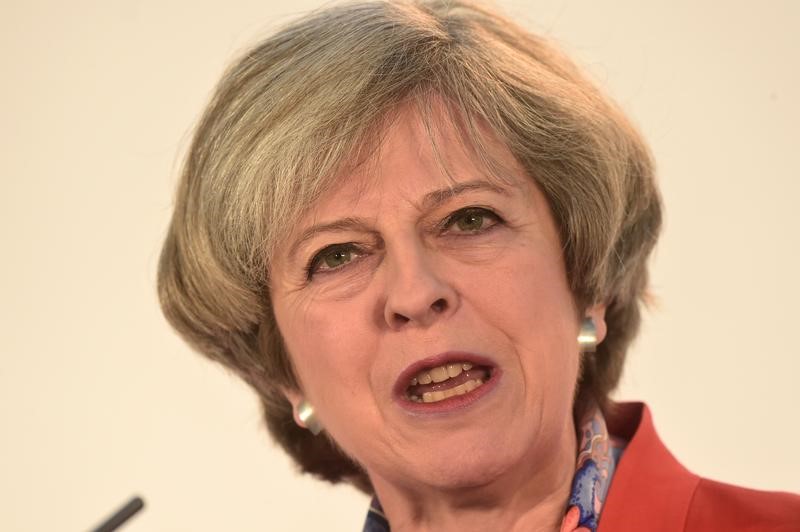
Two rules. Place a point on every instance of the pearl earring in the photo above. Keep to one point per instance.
(305, 412)
(587, 337)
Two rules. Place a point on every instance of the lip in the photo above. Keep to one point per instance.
(451, 403)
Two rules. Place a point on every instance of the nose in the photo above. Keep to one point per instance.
(416, 293)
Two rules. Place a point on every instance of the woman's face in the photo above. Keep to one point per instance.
(401, 276)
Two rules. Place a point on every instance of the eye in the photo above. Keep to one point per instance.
(471, 220)
(332, 258)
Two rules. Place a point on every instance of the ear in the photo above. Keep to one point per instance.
(597, 313)
(295, 397)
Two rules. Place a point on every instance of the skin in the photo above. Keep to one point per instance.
(416, 280)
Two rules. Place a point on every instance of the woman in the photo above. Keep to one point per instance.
(421, 236)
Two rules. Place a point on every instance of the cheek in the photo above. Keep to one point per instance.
(528, 289)
(526, 297)
(328, 345)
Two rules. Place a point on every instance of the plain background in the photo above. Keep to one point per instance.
(100, 400)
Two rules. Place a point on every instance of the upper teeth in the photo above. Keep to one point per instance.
(440, 373)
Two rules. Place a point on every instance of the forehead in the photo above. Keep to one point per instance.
(418, 153)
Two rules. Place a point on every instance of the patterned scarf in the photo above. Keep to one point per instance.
(597, 460)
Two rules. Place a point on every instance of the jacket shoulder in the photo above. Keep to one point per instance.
(720, 506)
(652, 491)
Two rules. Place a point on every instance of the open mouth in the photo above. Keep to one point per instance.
(434, 384)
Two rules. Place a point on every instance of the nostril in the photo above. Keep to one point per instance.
(440, 305)
(418, 312)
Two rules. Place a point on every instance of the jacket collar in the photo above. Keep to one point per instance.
(649, 484)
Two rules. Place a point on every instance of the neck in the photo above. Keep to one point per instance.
(531, 496)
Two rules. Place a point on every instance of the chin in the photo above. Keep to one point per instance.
(457, 463)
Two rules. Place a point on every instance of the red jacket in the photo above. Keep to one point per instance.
(651, 491)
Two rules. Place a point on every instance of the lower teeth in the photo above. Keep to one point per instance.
(440, 395)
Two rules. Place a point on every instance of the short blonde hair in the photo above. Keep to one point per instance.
(309, 102)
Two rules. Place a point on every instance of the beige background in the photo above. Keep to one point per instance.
(99, 400)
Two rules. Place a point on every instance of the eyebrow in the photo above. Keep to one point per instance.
(344, 224)
(430, 201)
(433, 199)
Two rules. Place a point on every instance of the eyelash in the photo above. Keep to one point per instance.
(485, 212)
(313, 264)
(443, 226)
